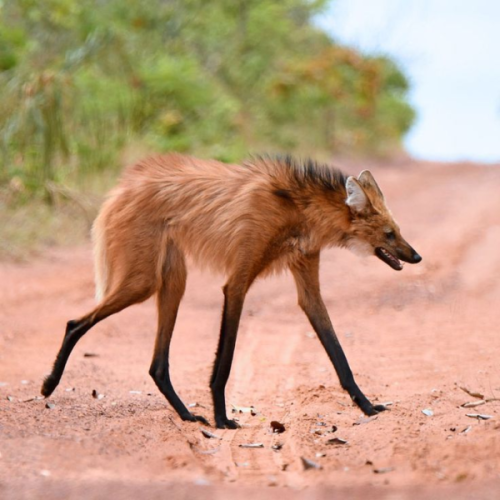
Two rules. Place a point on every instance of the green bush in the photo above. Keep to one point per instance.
(82, 80)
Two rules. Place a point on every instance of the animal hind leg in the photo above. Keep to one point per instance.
(234, 295)
(76, 329)
(169, 298)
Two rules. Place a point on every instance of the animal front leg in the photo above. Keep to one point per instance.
(306, 274)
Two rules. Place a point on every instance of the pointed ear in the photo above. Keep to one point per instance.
(367, 180)
(356, 200)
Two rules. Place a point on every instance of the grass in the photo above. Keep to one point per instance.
(29, 225)
(26, 230)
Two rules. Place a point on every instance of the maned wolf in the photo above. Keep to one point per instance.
(243, 220)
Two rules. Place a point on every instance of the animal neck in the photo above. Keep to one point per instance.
(327, 218)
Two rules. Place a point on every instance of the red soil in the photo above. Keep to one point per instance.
(412, 338)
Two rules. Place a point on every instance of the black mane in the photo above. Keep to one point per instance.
(308, 171)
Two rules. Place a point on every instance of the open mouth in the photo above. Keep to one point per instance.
(388, 258)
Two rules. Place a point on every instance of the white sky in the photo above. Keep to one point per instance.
(450, 49)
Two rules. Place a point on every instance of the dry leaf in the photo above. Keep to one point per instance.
(472, 404)
(383, 470)
(277, 427)
(96, 395)
(36, 398)
(472, 393)
(208, 434)
(212, 451)
(309, 464)
(336, 441)
(479, 416)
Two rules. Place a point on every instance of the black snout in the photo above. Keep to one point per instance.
(415, 258)
(408, 255)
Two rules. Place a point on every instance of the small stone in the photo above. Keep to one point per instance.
(309, 464)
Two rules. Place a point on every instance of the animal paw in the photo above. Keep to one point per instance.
(373, 410)
(226, 423)
(49, 386)
(195, 418)
(201, 419)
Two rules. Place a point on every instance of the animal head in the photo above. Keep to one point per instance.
(373, 230)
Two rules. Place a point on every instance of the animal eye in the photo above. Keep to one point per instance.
(391, 235)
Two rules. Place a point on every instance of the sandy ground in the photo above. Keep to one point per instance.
(413, 338)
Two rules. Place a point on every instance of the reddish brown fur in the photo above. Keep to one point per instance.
(220, 215)
(240, 220)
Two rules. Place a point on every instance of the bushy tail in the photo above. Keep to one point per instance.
(100, 259)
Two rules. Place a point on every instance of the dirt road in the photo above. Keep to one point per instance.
(413, 338)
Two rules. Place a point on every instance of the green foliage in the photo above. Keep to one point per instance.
(81, 80)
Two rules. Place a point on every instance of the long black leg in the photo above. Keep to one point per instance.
(76, 329)
(306, 274)
(169, 298)
(233, 305)
(251, 265)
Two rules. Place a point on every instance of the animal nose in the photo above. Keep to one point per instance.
(416, 258)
